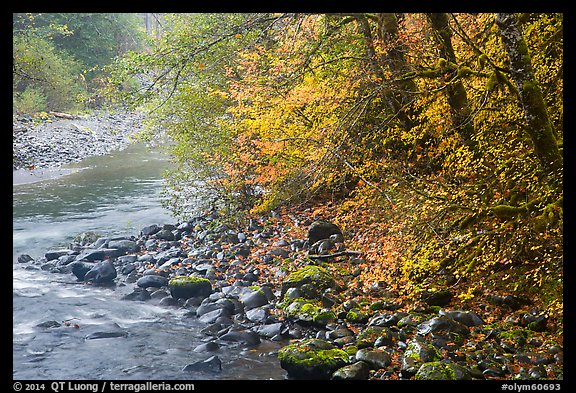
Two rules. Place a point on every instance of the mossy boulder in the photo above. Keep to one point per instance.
(308, 311)
(186, 287)
(443, 371)
(317, 276)
(312, 359)
(369, 337)
(417, 353)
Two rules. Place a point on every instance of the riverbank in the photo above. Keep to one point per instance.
(288, 278)
(55, 140)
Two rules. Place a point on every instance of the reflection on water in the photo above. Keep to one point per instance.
(113, 194)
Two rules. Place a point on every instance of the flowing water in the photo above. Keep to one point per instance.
(115, 194)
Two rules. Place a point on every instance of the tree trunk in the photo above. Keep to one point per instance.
(393, 102)
(457, 98)
(539, 127)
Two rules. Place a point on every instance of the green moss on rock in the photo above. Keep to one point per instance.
(185, 287)
(311, 359)
(319, 277)
(442, 371)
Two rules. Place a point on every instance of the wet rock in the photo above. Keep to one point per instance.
(139, 294)
(311, 359)
(25, 258)
(376, 359)
(124, 245)
(213, 364)
(55, 254)
(467, 318)
(210, 346)
(254, 299)
(152, 281)
(244, 337)
(368, 336)
(271, 330)
(442, 324)
(79, 269)
(355, 371)
(416, 354)
(150, 230)
(443, 371)
(103, 272)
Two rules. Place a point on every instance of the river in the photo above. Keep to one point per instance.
(114, 194)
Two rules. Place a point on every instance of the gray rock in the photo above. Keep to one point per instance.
(152, 281)
(103, 272)
(376, 359)
(150, 230)
(355, 371)
(212, 364)
(55, 254)
(467, 318)
(139, 294)
(79, 269)
(442, 323)
(320, 230)
(210, 346)
(25, 258)
(124, 245)
(254, 299)
(246, 337)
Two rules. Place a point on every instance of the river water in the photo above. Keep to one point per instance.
(114, 194)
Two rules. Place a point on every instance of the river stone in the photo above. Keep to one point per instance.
(124, 245)
(165, 234)
(152, 280)
(443, 371)
(101, 273)
(79, 269)
(356, 371)
(311, 359)
(139, 294)
(99, 254)
(150, 230)
(254, 299)
(212, 364)
(25, 258)
(185, 287)
(246, 337)
(467, 318)
(442, 323)
(207, 347)
(376, 358)
(321, 229)
(55, 254)
(416, 354)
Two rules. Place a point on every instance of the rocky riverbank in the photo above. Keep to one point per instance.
(289, 278)
(63, 139)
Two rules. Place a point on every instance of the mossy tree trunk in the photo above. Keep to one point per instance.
(395, 105)
(397, 64)
(457, 97)
(538, 125)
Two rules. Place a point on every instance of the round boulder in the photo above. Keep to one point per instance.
(186, 287)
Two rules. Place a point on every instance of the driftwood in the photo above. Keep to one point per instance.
(63, 115)
(336, 254)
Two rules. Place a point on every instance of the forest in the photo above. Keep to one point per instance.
(438, 136)
(433, 140)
